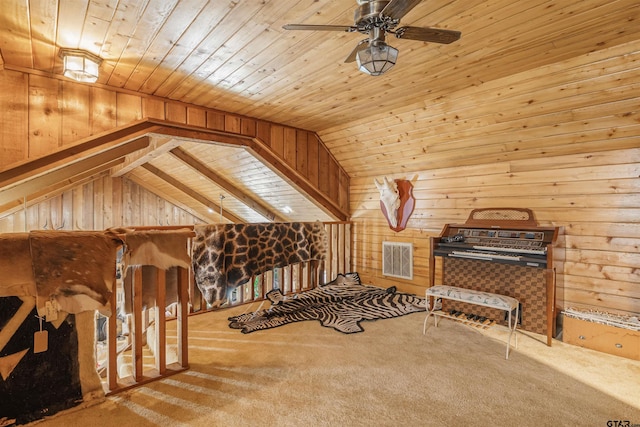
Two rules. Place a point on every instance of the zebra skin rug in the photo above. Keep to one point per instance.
(341, 304)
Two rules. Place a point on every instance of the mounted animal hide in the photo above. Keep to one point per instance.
(16, 272)
(161, 248)
(396, 201)
(74, 268)
(146, 249)
(35, 384)
(46, 367)
(228, 255)
(341, 304)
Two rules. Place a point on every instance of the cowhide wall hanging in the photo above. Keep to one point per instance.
(38, 382)
(50, 286)
(396, 201)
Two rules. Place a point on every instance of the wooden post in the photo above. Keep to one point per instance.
(136, 348)
(161, 325)
(112, 342)
(342, 268)
(183, 317)
(299, 277)
(329, 262)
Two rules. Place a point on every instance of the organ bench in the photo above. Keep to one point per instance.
(486, 299)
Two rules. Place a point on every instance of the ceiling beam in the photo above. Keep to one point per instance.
(296, 180)
(96, 162)
(158, 146)
(93, 145)
(56, 189)
(190, 192)
(30, 176)
(218, 179)
(270, 160)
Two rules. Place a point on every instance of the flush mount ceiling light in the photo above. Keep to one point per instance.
(80, 65)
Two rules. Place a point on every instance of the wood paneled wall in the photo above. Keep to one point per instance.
(563, 140)
(96, 205)
(41, 114)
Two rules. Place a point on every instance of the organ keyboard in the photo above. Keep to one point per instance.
(502, 251)
(524, 247)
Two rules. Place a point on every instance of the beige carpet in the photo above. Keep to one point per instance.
(390, 375)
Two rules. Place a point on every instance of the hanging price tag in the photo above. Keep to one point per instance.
(51, 310)
(40, 339)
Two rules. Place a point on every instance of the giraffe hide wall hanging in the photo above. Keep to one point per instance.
(225, 256)
(396, 201)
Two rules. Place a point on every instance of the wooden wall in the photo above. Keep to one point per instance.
(562, 140)
(40, 114)
(96, 205)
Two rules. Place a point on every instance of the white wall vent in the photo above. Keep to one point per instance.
(397, 260)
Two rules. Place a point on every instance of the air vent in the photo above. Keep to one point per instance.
(397, 260)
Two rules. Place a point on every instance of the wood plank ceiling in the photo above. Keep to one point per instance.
(234, 56)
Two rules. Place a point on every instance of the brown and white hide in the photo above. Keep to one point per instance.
(228, 255)
(161, 248)
(16, 273)
(76, 269)
(146, 249)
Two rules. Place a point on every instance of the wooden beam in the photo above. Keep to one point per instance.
(57, 188)
(189, 192)
(298, 182)
(265, 155)
(195, 133)
(226, 185)
(88, 146)
(94, 162)
(157, 147)
(41, 172)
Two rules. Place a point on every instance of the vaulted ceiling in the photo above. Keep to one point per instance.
(235, 56)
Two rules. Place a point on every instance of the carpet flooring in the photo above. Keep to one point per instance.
(390, 375)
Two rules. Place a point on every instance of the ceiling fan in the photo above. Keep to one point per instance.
(377, 18)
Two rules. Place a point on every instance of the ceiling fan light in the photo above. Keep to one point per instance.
(377, 59)
(80, 65)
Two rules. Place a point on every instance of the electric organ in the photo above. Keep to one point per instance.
(503, 251)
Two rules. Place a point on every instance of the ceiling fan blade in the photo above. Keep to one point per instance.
(362, 45)
(346, 28)
(396, 9)
(434, 35)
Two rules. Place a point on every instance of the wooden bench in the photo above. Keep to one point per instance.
(485, 299)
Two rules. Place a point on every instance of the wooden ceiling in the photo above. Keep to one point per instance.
(234, 56)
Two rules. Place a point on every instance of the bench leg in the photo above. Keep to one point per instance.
(435, 320)
(429, 313)
(509, 339)
(512, 329)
